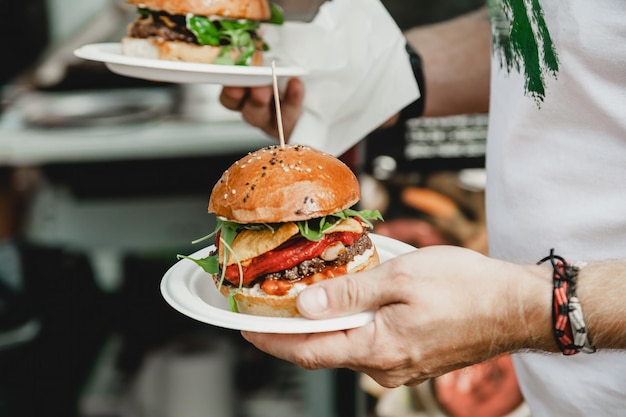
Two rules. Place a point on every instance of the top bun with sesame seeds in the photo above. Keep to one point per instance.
(285, 221)
(277, 184)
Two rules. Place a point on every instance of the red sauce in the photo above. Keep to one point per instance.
(286, 256)
(279, 287)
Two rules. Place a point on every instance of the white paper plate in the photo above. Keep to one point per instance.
(182, 72)
(191, 291)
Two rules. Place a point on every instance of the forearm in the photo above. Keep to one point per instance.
(456, 63)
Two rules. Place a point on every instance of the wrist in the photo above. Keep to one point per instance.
(601, 286)
(532, 309)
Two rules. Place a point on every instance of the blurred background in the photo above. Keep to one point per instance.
(104, 179)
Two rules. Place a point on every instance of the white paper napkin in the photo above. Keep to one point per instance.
(359, 72)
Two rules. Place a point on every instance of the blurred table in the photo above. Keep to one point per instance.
(44, 128)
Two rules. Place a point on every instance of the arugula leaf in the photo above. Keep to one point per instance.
(228, 232)
(203, 238)
(278, 16)
(310, 234)
(209, 264)
(232, 304)
(327, 222)
(364, 215)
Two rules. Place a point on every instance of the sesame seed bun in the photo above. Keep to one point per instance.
(234, 9)
(157, 48)
(276, 184)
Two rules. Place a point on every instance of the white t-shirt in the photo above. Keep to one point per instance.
(557, 175)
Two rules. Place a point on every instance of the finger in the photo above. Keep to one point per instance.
(297, 348)
(258, 109)
(352, 349)
(292, 105)
(354, 293)
(313, 351)
(294, 95)
(233, 97)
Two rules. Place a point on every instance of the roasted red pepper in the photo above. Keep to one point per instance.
(286, 256)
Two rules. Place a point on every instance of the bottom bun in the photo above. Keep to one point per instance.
(156, 48)
(256, 302)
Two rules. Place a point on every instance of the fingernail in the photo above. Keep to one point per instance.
(313, 300)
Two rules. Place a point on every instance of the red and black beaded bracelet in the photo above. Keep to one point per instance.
(568, 323)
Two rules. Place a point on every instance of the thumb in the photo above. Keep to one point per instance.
(345, 295)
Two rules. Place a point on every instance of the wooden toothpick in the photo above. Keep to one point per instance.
(279, 117)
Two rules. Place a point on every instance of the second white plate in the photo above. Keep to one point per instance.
(191, 291)
(182, 72)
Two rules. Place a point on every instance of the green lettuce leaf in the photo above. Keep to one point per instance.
(205, 30)
(232, 34)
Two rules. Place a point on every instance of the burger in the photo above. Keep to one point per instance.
(285, 220)
(204, 31)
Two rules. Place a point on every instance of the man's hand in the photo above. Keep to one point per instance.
(438, 309)
(257, 106)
